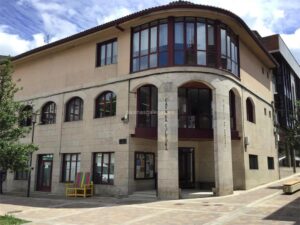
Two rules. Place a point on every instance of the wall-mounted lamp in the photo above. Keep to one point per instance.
(246, 142)
(125, 118)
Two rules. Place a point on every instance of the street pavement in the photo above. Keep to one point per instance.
(263, 205)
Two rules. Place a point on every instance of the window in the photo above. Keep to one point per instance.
(190, 40)
(104, 166)
(253, 162)
(229, 51)
(250, 110)
(144, 165)
(71, 166)
(150, 45)
(26, 116)
(21, 175)
(271, 163)
(265, 110)
(194, 108)
(106, 105)
(48, 113)
(74, 109)
(147, 106)
(270, 114)
(194, 42)
(232, 110)
(107, 53)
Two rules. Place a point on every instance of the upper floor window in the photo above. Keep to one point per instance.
(184, 41)
(147, 106)
(74, 109)
(229, 51)
(150, 45)
(107, 53)
(26, 116)
(48, 113)
(194, 42)
(106, 104)
(250, 110)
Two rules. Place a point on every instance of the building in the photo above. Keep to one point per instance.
(287, 84)
(181, 91)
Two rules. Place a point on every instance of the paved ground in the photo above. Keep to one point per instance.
(263, 205)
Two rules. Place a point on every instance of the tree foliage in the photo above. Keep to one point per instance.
(13, 153)
(293, 133)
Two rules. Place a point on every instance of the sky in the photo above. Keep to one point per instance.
(27, 24)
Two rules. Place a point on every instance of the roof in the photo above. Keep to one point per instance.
(172, 5)
(275, 44)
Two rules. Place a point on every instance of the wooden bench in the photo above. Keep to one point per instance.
(291, 186)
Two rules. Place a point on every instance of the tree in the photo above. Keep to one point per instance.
(293, 135)
(14, 155)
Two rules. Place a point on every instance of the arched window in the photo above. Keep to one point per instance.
(250, 110)
(232, 110)
(26, 116)
(74, 109)
(147, 106)
(106, 105)
(48, 113)
(194, 106)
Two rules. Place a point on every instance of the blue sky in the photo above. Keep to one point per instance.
(26, 24)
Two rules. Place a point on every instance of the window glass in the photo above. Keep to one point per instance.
(103, 171)
(144, 165)
(201, 58)
(163, 37)
(179, 36)
(211, 34)
(106, 105)
(223, 42)
(147, 106)
(48, 113)
(136, 44)
(108, 53)
(71, 166)
(144, 42)
(153, 60)
(103, 52)
(153, 43)
(201, 36)
(190, 36)
(144, 62)
(74, 109)
(115, 52)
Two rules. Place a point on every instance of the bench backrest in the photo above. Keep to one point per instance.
(82, 179)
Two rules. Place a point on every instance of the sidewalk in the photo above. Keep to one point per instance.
(262, 205)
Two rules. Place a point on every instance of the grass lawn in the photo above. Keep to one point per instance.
(10, 220)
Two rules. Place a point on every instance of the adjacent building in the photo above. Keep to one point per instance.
(176, 96)
(287, 85)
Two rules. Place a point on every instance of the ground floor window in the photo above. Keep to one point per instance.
(71, 165)
(21, 175)
(253, 162)
(104, 166)
(271, 163)
(144, 165)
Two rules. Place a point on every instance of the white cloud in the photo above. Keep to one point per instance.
(62, 18)
(13, 44)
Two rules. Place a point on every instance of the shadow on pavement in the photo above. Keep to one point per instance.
(290, 212)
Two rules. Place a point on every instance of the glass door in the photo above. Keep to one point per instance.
(186, 168)
(44, 176)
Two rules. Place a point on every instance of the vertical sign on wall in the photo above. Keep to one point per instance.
(166, 122)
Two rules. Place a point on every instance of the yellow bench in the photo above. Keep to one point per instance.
(291, 186)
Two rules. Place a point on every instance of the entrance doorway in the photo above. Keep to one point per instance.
(44, 175)
(186, 166)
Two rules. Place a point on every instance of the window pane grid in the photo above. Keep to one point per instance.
(106, 105)
(74, 109)
(71, 166)
(194, 43)
(107, 53)
(103, 171)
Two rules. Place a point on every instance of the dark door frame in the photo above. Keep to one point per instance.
(187, 150)
(40, 174)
